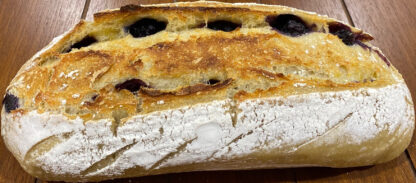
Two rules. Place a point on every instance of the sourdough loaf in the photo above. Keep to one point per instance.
(154, 89)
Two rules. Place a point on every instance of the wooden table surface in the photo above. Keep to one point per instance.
(27, 26)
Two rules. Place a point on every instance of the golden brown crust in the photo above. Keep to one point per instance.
(179, 60)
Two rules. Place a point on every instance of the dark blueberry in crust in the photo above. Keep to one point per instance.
(145, 27)
(349, 38)
(288, 24)
(213, 81)
(94, 97)
(10, 102)
(343, 32)
(223, 25)
(132, 85)
(83, 43)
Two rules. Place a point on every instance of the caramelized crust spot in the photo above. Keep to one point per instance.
(186, 90)
(267, 74)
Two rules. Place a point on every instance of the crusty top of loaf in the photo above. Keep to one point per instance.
(117, 75)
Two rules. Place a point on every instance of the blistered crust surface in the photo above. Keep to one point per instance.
(178, 62)
(266, 132)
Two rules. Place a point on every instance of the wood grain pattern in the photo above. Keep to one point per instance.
(249, 176)
(275, 175)
(398, 170)
(227, 1)
(26, 27)
(394, 30)
(96, 6)
(332, 8)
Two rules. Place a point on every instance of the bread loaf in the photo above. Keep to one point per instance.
(145, 90)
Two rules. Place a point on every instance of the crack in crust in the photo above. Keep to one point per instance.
(46, 145)
(186, 90)
(268, 74)
(238, 138)
(338, 124)
(172, 154)
(108, 160)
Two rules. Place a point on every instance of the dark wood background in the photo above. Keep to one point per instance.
(27, 26)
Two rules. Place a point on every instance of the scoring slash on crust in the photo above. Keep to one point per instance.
(146, 90)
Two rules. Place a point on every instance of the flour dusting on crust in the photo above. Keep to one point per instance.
(205, 132)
